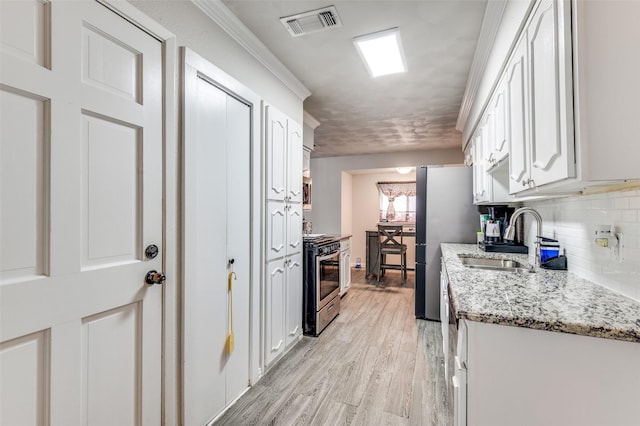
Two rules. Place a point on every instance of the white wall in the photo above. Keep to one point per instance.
(326, 173)
(346, 201)
(365, 210)
(571, 220)
(198, 32)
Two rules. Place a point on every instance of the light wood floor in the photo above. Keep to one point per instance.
(375, 364)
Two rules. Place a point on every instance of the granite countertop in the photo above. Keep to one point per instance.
(545, 300)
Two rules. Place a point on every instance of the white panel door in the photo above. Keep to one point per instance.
(294, 228)
(217, 215)
(81, 198)
(276, 232)
(500, 146)
(549, 157)
(294, 298)
(518, 118)
(276, 145)
(294, 161)
(275, 309)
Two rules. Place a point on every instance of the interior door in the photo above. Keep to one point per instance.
(216, 190)
(81, 198)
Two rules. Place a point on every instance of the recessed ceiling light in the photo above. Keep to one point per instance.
(403, 170)
(381, 52)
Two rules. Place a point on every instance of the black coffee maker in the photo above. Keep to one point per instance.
(495, 226)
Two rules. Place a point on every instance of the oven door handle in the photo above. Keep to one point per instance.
(327, 256)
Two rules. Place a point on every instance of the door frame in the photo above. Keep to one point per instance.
(236, 89)
(171, 404)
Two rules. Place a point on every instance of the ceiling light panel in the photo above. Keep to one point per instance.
(382, 52)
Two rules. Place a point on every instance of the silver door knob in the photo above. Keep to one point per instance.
(154, 277)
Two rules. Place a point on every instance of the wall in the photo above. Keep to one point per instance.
(326, 173)
(198, 32)
(346, 201)
(571, 220)
(365, 212)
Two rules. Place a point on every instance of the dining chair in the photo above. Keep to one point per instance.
(391, 243)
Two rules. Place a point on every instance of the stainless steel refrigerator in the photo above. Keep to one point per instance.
(444, 214)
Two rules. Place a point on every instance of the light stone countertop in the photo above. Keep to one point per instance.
(545, 300)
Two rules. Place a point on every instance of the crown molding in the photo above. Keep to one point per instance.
(221, 15)
(310, 120)
(490, 24)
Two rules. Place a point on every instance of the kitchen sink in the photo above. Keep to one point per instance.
(493, 264)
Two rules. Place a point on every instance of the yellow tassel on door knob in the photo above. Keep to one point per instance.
(230, 336)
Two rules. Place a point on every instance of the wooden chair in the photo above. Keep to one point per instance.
(391, 243)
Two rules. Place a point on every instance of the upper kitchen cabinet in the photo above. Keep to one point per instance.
(537, 80)
(488, 188)
(284, 156)
(569, 93)
(547, 94)
(606, 89)
(497, 116)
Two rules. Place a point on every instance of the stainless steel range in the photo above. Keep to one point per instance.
(321, 295)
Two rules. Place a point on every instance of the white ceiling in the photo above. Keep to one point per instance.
(413, 111)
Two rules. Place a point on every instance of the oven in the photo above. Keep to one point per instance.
(321, 290)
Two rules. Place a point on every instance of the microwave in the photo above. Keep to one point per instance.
(306, 193)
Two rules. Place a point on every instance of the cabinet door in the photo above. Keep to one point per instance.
(444, 316)
(277, 215)
(518, 118)
(488, 135)
(294, 299)
(549, 147)
(275, 310)
(480, 179)
(345, 271)
(294, 162)
(500, 146)
(276, 145)
(294, 228)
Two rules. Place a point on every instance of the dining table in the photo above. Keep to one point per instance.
(373, 243)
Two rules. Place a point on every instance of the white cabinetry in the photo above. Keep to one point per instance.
(518, 117)
(487, 187)
(293, 296)
(283, 233)
(539, 74)
(506, 374)
(345, 265)
(444, 314)
(498, 127)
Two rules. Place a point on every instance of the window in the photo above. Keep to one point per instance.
(397, 201)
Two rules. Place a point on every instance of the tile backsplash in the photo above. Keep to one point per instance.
(573, 220)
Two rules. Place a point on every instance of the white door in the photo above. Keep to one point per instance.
(216, 214)
(81, 198)
(276, 151)
(294, 298)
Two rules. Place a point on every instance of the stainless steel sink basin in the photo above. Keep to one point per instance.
(494, 264)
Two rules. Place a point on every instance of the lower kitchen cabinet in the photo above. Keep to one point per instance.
(283, 306)
(345, 265)
(519, 376)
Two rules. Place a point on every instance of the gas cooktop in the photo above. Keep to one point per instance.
(318, 239)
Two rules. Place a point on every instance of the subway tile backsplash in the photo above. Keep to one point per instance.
(572, 221)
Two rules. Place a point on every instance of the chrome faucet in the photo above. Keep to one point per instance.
(510, 232)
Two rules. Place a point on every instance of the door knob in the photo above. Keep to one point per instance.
(154, 277)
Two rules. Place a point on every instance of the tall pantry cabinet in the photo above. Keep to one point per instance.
(283, 226)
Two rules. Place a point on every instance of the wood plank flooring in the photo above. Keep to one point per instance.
(375, 364)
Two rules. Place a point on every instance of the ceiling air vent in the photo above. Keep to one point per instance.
(312, 21)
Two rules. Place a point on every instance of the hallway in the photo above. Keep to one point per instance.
(374, 365)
